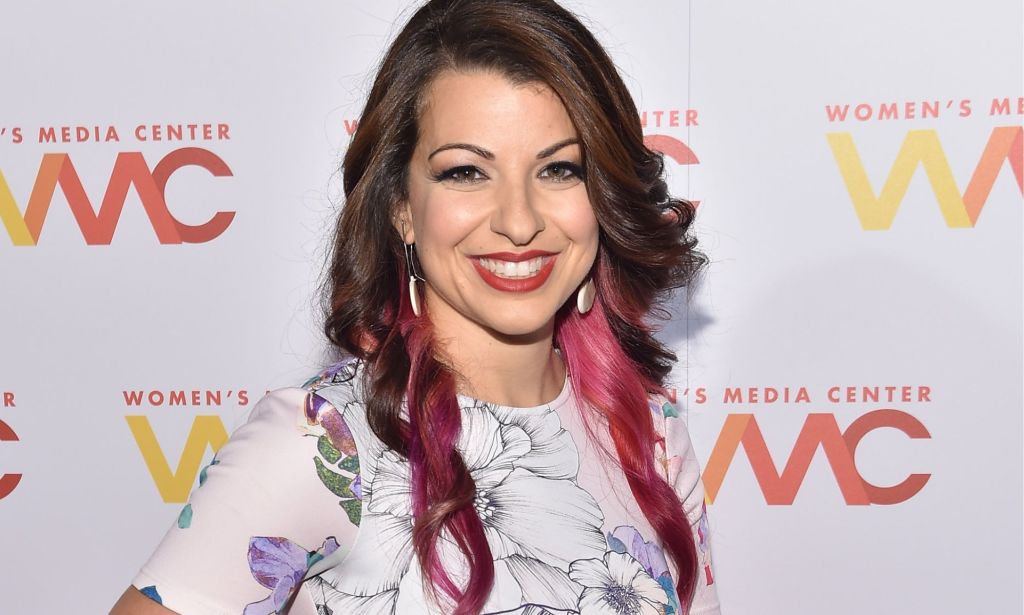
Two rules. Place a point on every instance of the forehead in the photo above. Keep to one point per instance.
(474, 105)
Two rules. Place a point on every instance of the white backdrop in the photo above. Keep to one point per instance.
(858, 168)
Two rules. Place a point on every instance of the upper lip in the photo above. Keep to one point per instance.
(515, 257)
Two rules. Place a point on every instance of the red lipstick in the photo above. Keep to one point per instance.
(516, 285)
(515, 257)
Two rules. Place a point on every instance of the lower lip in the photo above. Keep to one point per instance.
(516, 285)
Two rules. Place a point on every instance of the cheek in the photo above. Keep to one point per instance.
(444, 221)
(581, 225)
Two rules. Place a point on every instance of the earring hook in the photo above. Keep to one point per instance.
(408, 257)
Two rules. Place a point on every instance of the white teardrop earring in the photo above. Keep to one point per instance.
(585, 296)
(414, 295)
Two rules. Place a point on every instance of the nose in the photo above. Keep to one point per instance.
(516, 215)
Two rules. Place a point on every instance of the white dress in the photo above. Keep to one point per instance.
(305, 509)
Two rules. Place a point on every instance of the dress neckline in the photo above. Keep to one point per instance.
(560, 400)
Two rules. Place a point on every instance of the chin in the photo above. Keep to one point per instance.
(520, 325)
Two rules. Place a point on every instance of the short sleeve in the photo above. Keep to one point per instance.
(683, 472)
(266, 510)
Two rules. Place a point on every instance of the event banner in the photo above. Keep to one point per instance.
(850, 361)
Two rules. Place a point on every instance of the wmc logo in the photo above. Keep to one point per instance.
(839, 446)
(174, 486)
(923, 147)
(8, 481)
(97, 226)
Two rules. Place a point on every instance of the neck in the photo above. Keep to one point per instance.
(517, 371)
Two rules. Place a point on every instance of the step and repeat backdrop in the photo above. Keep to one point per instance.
(851, 360)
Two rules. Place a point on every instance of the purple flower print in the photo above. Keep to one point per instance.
(337, 431)
(702, 528)
(650, 556)
(702, 543)
(279, 565)
(343, 371)
(626, 539)
(319, 411)
(312, 407)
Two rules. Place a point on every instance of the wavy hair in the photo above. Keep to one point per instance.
(613, 360)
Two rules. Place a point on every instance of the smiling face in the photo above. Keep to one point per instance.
(499, 211)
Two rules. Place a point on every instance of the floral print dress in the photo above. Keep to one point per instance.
(306, 511)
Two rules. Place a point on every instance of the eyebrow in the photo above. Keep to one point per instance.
(488, 155)
(479, 151)
(551, 149)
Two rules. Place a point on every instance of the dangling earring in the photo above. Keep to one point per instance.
(414, 295)
(585, 296)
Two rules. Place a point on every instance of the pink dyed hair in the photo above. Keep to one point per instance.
(615, 388)
(442, 488)
(601, 374)
(644, 254)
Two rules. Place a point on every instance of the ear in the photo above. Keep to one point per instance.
(402, 221)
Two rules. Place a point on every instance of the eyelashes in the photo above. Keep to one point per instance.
(559, 172)
(562, 171)
(465, 174)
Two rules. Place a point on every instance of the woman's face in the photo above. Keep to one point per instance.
(502, 223)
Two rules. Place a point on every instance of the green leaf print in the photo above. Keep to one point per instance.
(338, 484)
(669, 410)
(185, 517)
(350, 464)
(202, 473)
(354, 510)
(331, 454)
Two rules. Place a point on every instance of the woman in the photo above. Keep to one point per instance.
(497, 442)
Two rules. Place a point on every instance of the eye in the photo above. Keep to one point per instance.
(562, 171)
(466, 174)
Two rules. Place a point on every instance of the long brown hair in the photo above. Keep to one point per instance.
(645, 251)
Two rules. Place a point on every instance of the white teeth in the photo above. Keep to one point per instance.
(509, 269)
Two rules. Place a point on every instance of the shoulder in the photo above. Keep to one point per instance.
(337, 387)
(675, 451)
(343, 374)
(682, 470)
(266, 511)
(332, 405)
(670, 425)
(288, 425)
